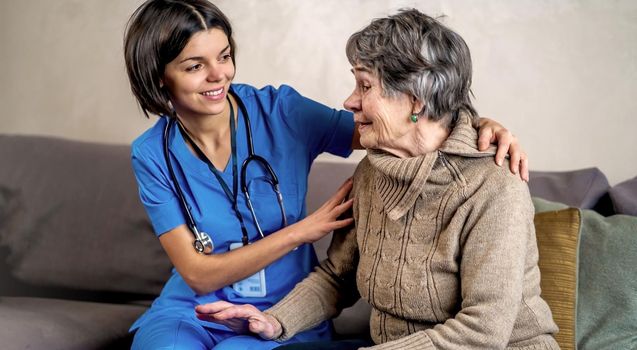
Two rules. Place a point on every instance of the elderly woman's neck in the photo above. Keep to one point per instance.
(427, 137)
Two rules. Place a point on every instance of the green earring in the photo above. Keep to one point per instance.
(414, 118)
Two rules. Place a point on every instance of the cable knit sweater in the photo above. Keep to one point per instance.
(444, 251)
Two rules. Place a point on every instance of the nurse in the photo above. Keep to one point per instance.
(180, 61)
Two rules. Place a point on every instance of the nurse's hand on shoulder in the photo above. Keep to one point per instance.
(490, 132)
(327, 218)
(242, 319)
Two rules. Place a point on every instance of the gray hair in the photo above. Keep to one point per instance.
(415, 54)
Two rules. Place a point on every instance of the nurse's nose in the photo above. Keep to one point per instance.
(215, 73)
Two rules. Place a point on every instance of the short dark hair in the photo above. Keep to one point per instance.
(415, 54)
(155, 35)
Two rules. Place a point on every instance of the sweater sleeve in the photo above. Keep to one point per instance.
(325, 292)
(499, 223)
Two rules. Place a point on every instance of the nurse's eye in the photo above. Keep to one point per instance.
(225, 57)
(194, 67)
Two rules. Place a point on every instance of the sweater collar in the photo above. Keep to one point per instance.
(463, 141)
(400, 181)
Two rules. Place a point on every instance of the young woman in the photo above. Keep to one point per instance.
(223, 175)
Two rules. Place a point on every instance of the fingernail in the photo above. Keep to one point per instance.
(499, 162)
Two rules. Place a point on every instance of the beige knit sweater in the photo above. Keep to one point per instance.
(443, 250)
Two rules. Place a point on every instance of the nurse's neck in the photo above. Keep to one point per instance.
(210, 132)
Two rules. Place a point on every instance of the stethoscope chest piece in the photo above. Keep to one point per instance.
(203, 243)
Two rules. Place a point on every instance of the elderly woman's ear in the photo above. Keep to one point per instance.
(418, 107)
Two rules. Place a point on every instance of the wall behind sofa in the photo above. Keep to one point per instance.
(562, 74)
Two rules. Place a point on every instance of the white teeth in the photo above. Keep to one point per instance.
(213, 93)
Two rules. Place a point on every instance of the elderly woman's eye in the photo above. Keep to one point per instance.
(364, 88)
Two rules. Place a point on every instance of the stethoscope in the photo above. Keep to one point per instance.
(203, 242)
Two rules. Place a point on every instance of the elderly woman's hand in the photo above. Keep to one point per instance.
(491, 132)
(241, 319)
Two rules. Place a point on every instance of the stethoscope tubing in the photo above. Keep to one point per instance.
(203, 242)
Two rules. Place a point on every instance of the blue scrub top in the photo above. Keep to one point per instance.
(289, 131)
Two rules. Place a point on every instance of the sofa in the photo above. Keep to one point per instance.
(79, 262)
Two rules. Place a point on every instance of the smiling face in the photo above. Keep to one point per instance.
(383, 120)
(199, 78)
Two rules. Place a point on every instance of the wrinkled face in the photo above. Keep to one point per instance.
(199, 78)
(383, 121)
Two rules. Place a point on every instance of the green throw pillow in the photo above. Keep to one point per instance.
(607, 282)
(543, 205)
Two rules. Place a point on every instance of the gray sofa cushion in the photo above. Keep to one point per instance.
(578, 188)
(70, 217)
(624, 197)
(34, 323)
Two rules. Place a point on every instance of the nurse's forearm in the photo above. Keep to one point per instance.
(207, 273)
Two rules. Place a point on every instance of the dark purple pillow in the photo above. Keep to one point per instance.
(577, 188)
(624, 197)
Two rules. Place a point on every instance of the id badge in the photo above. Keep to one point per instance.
(253, 286)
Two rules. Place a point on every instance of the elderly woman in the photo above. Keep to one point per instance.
(443, 247)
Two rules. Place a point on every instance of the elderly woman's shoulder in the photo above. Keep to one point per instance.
(485, 184)
(484, 173)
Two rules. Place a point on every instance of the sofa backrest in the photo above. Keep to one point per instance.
(71, 220)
